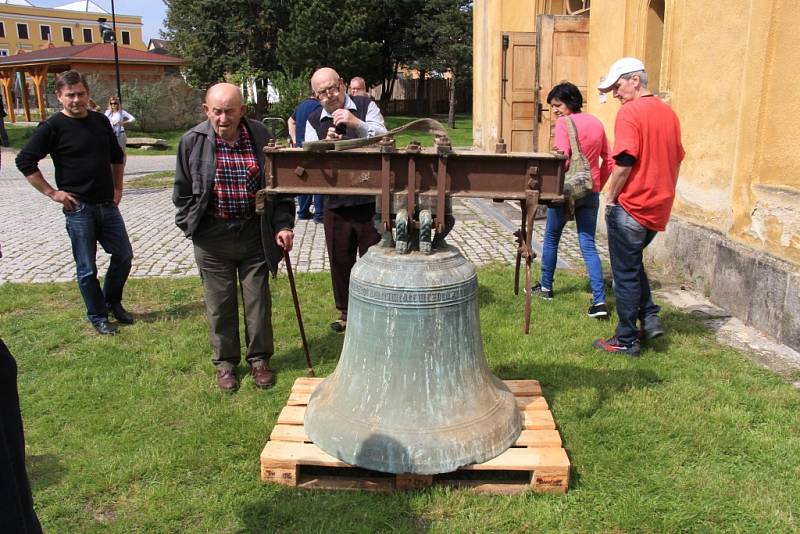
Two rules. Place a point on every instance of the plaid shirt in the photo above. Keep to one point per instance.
(237, 179)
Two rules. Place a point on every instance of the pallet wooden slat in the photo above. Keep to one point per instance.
(290, 458)
(527, 438)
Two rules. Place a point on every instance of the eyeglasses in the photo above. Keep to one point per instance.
(115, 103)
(623, 78)
(330, 92)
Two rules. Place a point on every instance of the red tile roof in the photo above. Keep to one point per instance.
(90, 53)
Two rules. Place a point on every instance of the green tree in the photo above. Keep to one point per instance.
(443, 33)
(336, 34)
(292, 90)
(222, 37)
(357, 38)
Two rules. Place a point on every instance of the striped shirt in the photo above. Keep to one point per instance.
(237, 178)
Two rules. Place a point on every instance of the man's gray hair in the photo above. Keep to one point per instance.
(640, 73)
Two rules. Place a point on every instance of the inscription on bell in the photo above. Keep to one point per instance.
(450, 296)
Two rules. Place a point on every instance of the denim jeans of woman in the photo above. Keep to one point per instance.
(586, 221)
(87, 225)
(627, 240)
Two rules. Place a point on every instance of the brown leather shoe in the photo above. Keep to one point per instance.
(226, 379)
(263, 376)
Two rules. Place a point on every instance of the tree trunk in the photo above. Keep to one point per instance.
(451, 114)
(419, 105)
(262, 101)
(391, 84)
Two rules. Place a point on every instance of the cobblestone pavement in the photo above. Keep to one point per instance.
(36, 247)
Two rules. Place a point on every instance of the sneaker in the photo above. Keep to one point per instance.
(613, 345)
(598, 311)
(104, 328)
(650, 328)
(538, 291)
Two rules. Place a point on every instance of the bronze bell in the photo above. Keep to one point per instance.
(412, 392)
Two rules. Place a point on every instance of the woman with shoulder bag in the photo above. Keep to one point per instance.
(589, 138)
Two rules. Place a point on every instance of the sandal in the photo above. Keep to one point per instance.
(338, 326)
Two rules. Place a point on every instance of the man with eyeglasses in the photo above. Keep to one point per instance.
(348, 219)
(639, 195)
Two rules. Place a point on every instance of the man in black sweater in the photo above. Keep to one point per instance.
(89, 166)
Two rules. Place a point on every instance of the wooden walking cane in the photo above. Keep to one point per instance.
(297, 311)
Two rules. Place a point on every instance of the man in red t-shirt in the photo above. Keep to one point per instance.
(639, 195)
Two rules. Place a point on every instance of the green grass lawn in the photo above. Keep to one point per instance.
(172, 137)
(18, 135)
(131, 434)
(461, 135)
(154, 180)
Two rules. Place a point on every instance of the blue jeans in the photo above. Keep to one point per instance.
(87, 225)
(586, 221)
(627, 240)
(304, 201)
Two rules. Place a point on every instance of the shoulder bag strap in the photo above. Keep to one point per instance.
(574, 143)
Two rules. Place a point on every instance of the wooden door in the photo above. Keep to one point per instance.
(518, 100)
(562, 44)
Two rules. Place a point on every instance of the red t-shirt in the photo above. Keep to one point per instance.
(648, 130)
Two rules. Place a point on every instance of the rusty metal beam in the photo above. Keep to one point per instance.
(424, 178)
(469, 173)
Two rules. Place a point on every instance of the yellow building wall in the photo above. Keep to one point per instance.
(492, 18)
(57, 19)
(729, 69)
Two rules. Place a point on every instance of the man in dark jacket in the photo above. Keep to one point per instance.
(219, 169)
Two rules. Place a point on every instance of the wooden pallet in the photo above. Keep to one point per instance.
(536, 461)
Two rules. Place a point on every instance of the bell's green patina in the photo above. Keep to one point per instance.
(412, 392)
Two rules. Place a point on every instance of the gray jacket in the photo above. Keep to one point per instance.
(194, 179)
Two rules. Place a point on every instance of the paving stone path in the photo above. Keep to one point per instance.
(36, 247)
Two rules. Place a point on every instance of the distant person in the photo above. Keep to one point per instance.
(118, 118)
(3, 132)
(358, 87)
(93, 106)
(647, 154)
(297, 132)
(565, 100)
(88, 166)
(220, 167)
(348, 219)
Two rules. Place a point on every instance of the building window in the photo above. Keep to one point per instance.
(2, 29)
(66, 33)
(45, 32)
(126, 37)
(87, 35)
(22, 30)
(3, 52)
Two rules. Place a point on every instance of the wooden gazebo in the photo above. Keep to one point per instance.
(95, 58)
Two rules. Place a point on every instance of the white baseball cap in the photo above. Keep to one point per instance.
(620, 67)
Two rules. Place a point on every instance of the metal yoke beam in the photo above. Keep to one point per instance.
(426, 178)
